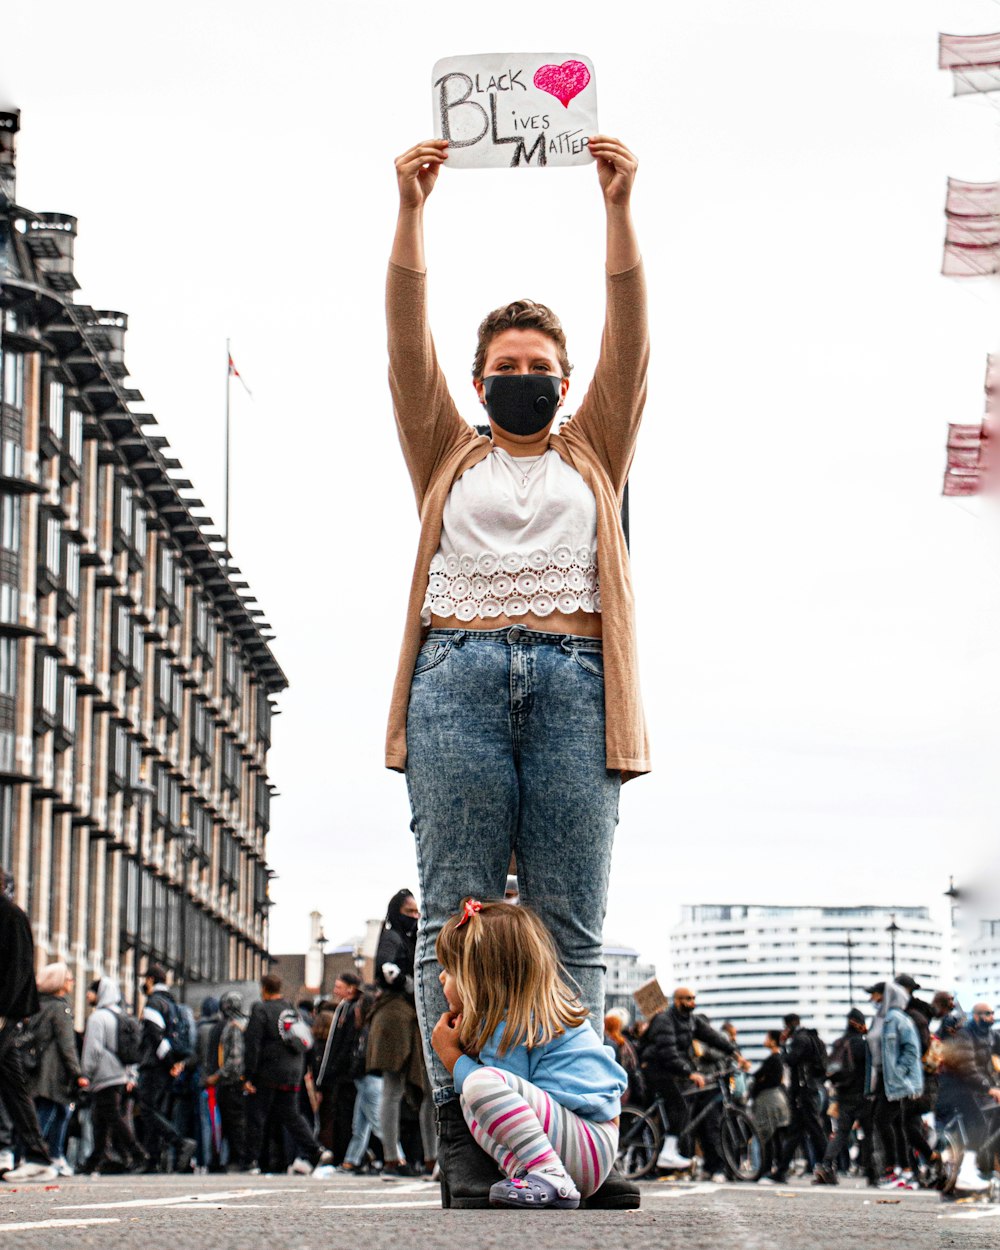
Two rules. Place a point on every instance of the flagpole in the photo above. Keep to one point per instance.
(229, 373)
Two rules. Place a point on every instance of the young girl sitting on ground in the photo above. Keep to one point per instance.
(539, 1091)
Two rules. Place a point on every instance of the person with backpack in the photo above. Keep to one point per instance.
(806, 1059)
(276, 1042)
(18, 1001)
(223, 1074)
(167, 1043)
(111, 1047)
(846, 1073)
(51, 1062)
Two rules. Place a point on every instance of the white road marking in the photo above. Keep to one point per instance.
(382, 1189)
(381, 1206)
(985, 1213)
(178, 1200)
(662, 1192)
(26, 1227)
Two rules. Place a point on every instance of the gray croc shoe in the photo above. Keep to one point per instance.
(536, 1190)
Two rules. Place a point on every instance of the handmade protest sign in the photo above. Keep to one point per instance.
(650, 998)
(514, 109)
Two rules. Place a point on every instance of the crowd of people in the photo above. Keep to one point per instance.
(341, 1082)
(875, 1102)
(307, 1087)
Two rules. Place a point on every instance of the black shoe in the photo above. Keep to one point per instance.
(825, 1176)
(616, 1194)
(467, 1172)
(185, 1153)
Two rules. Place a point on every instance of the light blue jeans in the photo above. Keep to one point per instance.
(367, 1120)
(505, 752)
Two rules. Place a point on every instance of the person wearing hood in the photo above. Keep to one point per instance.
(394, 1045)
(894, 1071)
(57, 1079)
(109, 1081)
(913, 1110)
(207, 1155)
(224, 1073)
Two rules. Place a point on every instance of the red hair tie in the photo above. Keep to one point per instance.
(472, 907)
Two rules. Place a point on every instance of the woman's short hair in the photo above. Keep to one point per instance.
(523, 314)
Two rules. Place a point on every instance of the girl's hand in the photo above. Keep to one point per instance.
(616, 168)
(445, 1041)
(417, 171)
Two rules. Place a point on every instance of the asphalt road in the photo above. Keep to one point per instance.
(297, 1213)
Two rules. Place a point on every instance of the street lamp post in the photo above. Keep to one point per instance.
(321, 942)
(892, 930)
(189, 853)
(850, 967)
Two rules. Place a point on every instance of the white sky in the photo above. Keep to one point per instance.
(818, 627)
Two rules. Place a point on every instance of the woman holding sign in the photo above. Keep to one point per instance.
(516, 712)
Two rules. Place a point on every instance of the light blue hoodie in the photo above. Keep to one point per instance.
(576, 1069)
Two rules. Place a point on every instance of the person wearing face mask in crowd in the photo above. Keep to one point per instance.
(666, 1056)
(519, 648)
(394, 1048)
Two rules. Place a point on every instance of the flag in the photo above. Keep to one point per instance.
(974, 61)
(235, 373)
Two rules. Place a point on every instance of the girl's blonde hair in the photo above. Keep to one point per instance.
(507, 972)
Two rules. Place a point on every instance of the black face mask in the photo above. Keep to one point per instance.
(522, 403)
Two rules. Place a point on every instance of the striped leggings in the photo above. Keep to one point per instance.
(522, 1127)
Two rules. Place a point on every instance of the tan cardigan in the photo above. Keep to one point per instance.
(599, 442)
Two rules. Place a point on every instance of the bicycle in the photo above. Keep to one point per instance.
(641, 1133)
(951, 1148)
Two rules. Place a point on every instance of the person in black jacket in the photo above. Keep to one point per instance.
(667, 1061)
(18, 1000)
(158, 1065)
(334, 1079)
(806, 1079)
(847, 1075)
(274, 1075)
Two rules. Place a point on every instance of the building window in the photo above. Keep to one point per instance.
(54, 401)
(72, 564)
(76, 435)
(69, 705)
(8, 603)
(7, 826)
(12, 364)
(8, 667)
(50, 687)
(10, 522)
(12, 455)
(53, 544)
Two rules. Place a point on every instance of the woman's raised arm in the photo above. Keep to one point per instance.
(428, 422)
(416, 174)
(616, 170)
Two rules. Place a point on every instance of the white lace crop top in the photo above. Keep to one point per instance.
(518, 535)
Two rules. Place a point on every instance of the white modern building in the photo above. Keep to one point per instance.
(981, 965)
(625, 973)
(753, 964)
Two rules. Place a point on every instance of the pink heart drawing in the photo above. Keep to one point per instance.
(564, 81)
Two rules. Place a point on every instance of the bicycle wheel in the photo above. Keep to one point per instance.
(639, 1142)
(741, 1145)
(952, 1152)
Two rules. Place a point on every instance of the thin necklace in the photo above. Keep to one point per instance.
(525, 474)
